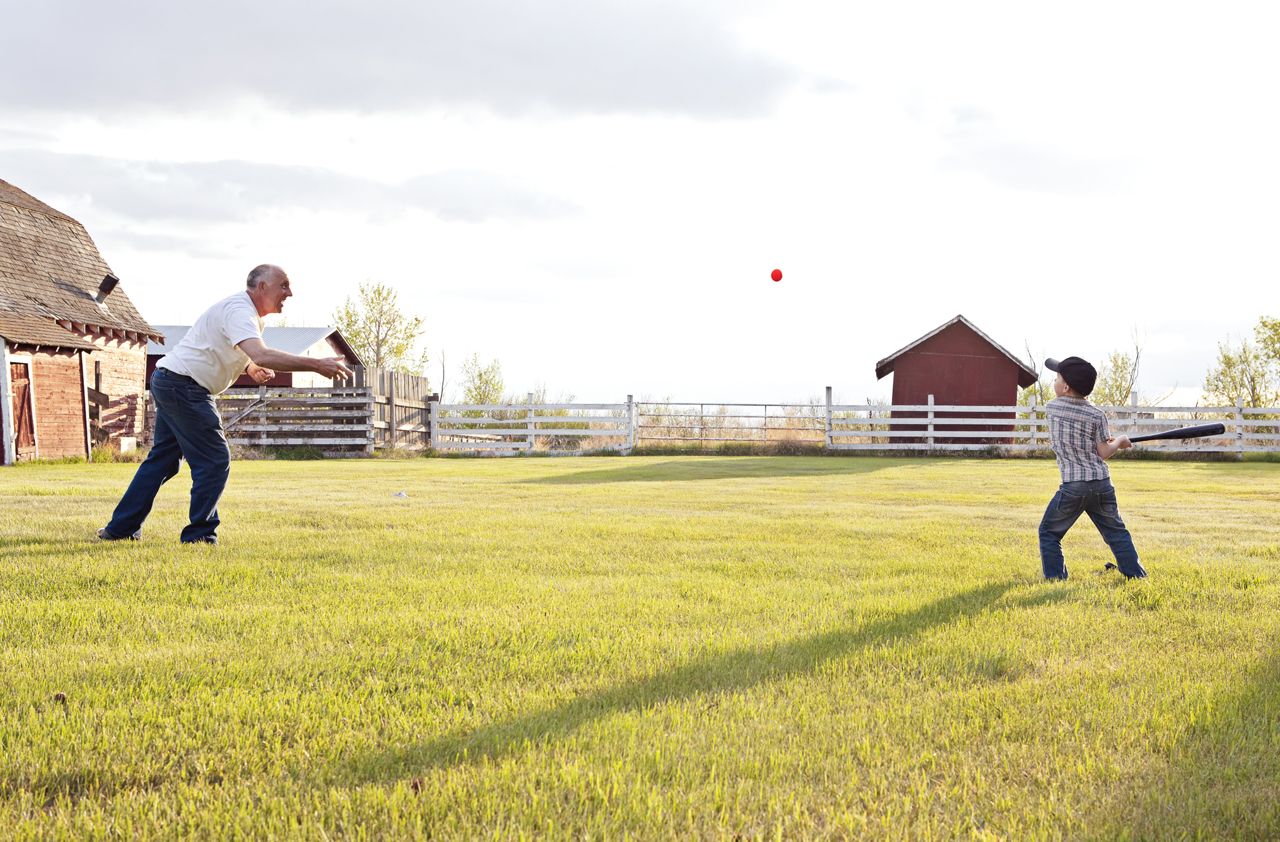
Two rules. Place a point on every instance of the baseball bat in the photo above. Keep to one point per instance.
(1198, 431)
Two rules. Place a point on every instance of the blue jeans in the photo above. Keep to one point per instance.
(187, 426)
(1097, 498)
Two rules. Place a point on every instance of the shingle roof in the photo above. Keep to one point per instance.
(50, 269)
(34, 330)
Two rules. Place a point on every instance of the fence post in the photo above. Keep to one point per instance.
(929, 434)
(433, 420)
(631, 423)
(371, 413)
(1033, 418)
(1133, 412)
(529, 419)
(826, 436)
(391, 412)
(262, 413)
(1240, 427)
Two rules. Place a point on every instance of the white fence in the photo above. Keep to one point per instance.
(932, 427)
(929, 427)
(516, 428)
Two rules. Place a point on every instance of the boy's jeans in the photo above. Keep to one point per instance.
(187, 425)
(1097, 498)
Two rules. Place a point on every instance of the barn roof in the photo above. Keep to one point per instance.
(294, 340)
(34, 330)
(50, 270)
(1026, 375)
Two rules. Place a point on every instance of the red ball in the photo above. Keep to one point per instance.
(776, 274)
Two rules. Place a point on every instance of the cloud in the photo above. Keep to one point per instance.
(238, 191)
(577, 56)
(191, 246)
(976, 144)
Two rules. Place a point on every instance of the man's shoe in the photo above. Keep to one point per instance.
(208, 539)
(104, 535)
(1111, 565)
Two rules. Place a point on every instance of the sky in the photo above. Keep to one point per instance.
(594, 192)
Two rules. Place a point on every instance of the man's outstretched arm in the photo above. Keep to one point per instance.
(278, 360)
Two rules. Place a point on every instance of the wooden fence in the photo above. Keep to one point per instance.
(401, 408)
(376, 409)
(336, 421)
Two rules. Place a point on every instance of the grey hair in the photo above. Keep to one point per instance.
(256, 274)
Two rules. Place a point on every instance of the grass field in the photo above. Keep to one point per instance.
(653, 647)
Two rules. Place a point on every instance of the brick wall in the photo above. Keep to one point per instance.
(124, 371)
(59, 404)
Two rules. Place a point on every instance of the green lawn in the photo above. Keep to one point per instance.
(647, 647)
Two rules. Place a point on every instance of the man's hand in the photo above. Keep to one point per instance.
(334, 367)
(260, 374)
(262, 356)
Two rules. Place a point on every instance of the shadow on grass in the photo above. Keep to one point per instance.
(726, 673)
(1222, 779)
(718, 467)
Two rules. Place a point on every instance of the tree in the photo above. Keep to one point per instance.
(1244, 375)
(380, 332)
(1040, 391)
(1117, 378)
(481, 383)
(1267, 333)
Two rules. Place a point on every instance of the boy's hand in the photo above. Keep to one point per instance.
(1122, 442)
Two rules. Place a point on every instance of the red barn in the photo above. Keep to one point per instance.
(73, 348)
(958, 365)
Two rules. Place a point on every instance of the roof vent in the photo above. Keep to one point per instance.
(104, 289)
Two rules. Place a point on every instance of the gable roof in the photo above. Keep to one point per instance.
(50, 270)
(1026, 373)
(293, 340)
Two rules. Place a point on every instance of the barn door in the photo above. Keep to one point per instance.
(23, 414)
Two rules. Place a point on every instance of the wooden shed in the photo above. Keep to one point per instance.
(303, 341)
(958, 365)
(72, 344)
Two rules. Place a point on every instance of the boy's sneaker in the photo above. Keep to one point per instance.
(1111, 565)
(104, 535)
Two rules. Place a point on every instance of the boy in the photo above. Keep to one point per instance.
(1082, 444)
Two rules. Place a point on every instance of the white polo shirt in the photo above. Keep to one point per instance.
(208, 353)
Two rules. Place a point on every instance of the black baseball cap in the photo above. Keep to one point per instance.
(1079, 374)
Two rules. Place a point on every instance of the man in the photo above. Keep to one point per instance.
(223, 343)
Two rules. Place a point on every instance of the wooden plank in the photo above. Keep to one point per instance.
(295, 441)
(489, 445)
(326, 402)
(302, 428)
(934, 447)
(642, 436)
(306, 392)
(383, 399)
(539, 419)
(314, 413)
(1021, 410)
(941, 422)
(523, 407)
(522, 431)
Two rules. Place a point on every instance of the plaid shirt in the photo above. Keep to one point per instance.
(1075, 428)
